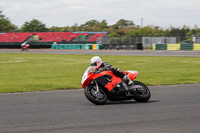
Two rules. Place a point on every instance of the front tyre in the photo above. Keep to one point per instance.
(142, 92)
(98, 98)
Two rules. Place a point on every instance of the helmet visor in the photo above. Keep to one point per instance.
(94, 64)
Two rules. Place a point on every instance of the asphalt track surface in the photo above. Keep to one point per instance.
(171, 109)
(110, 52)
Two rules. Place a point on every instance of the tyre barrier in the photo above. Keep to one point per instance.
(98, 46)
(184, 46)
(76, 46)
(122, 47)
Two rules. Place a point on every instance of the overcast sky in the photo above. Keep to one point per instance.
(164, 13)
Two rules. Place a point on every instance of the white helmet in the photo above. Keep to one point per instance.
(96, 61)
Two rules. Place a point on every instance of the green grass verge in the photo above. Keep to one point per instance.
(20, 72)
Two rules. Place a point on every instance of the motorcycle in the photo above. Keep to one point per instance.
(25, 48)
(100, 87)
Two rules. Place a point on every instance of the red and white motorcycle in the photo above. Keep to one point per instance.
(104, 86)
(25, 47)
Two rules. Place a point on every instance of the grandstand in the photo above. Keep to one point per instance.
(14, 37)
(46, 39)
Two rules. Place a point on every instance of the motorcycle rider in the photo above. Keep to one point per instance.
(99, 66)
(24, 46)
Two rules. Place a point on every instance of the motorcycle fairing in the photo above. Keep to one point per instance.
(109, 80)
(89, 79)
(131, 74)
(105, 78)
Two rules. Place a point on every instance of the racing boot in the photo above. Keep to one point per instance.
(128, 80)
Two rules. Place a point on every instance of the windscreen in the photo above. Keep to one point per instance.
(85, 75)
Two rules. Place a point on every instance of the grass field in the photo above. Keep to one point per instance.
(20, 72)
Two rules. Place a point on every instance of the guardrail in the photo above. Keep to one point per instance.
(184, 46)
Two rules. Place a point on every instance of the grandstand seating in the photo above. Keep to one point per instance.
(14, 37)
(47, 36)
(96, 36)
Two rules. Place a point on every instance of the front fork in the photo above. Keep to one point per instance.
(97, 87)
(97, 93)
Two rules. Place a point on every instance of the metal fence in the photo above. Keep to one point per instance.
(134, 42)
(119, 42)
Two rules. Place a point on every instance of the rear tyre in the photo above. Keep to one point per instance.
(98, 98)
(142, 93)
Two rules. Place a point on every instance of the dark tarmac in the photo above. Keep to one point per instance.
(171, 109)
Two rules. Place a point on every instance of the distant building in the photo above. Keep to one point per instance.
(196, 38)
(149, 41)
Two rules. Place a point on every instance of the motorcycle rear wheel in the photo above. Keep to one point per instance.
(94, 97)
(142, 94)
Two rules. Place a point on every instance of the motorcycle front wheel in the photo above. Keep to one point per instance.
(142, 92)
(98, 98)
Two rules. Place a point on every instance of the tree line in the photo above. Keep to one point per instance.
(122, 28)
